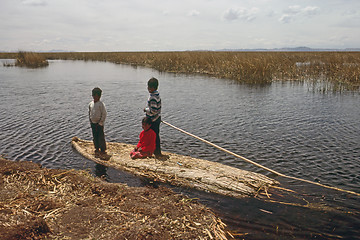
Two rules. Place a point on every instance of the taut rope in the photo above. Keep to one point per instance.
(259, 165)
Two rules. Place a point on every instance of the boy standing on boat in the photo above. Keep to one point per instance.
(97, 116)
(153, 111)
(146, 145)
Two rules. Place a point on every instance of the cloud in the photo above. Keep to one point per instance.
(240, 13)
(194, 13)
(165, 13)
(293, 9)
(205, 24)
(310, 10)
(286, 18)
(35, 2)
(351, 22)
(296, 11)
(351, 12)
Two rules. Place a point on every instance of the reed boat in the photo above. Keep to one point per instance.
(180, 170)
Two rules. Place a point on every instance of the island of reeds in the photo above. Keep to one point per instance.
(335, 71)
(28, 59)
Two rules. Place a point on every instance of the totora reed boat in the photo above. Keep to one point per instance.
(180, 170)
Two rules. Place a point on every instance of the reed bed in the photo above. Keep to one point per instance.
(31, 60)
(326, 71)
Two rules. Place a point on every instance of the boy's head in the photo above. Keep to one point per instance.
(96, 93)
(146, 123)
(153, 84)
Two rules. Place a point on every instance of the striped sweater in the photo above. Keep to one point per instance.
(153, 109)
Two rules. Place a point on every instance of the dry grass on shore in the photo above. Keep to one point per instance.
(334, 71)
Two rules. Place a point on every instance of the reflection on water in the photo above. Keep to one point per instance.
(100, 171)
(283, 126)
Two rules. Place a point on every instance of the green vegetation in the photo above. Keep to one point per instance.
(31, 60)
(327, 71)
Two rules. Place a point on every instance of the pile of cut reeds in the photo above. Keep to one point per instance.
(39, 203)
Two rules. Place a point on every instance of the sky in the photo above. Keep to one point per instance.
(177, 25)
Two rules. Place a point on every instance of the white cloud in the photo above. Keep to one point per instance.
(296, 12)
(351, 12)
(165, 12)
(194, 13)
(293, 9)
(310, 10)
(286, 18)
(231, 14)
(35, 2)
(240, 13)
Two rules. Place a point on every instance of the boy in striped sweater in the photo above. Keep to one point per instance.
(153, 111)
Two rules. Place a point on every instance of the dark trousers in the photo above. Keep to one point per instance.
(155, 126)
(98, 136)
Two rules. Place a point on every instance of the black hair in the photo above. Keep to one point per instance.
(147, 120)
(153, 83)
(96, 91)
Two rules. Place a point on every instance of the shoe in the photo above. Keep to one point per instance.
(104, 156)
(161, 157)
(97, 153)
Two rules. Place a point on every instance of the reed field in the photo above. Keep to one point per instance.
(326, 71)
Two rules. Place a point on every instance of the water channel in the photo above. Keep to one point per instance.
(285, 126)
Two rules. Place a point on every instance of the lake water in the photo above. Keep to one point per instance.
(283, 126)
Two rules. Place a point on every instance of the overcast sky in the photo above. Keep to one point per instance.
(156, 25)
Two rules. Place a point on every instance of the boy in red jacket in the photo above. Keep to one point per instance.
(146, 145)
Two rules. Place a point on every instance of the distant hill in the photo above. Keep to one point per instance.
(296, 49)
(54, 50)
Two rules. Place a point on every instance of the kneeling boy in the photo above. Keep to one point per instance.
(146, 145)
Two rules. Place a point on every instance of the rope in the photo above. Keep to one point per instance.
(257, 164)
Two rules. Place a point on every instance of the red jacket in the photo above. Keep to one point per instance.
(147, 141)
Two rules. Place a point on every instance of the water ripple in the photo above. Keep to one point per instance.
(282, 126)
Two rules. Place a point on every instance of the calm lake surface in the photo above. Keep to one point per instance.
(284, 126)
